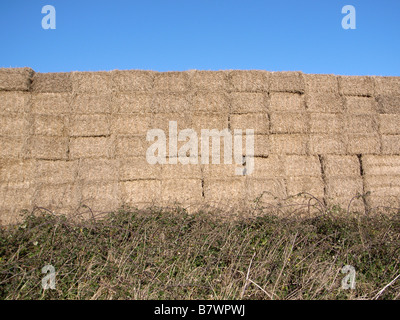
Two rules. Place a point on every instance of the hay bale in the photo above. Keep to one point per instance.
(257, 121)
(311, 185)
(286, 82)
(98, 170)
(91, 103)
(288, 144)
(327, 144)
(48, 148)
(91, 82)
(135, 124)
(363, 143)
(326, 123)
(273, 166)
(225, 191)
(262, 146)
(12, 147)
(356, 86)
(360, 105)
(56, 172)
(343, 187)
(180, 171)
(135, 102)
(61, 198)
(15, 79)
(14, 125)
(140, 192)
(360, 123)
(248, 102)
(49, 125)
(14, 102)
(341, 166)
(283, 101)
(299, 165)
(101, 196)
(269, 191)
(208, 80)
(183, 191)
(85, 125)
(249, 81)
(321, 83)
(135, 168)
(290, 122)
(387, 85)
(324, 102)
(90, 147)
(209, 121)
(17, 171)
(219, 171)
(388, 104)
(16, 197)
(132, 80)
(131, 146)
(215, 102)
(381, 165)
(391, 144)
(171, 81)
(389, 123)
(51, 103)
(170, 102)
(52, 82)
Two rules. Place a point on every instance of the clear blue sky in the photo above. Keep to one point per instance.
(165, 35)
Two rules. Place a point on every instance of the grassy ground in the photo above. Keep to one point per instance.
(169, 254)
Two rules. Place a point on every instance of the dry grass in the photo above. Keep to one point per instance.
(162, 253)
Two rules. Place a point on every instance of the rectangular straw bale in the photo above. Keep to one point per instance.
(140, 191)
(170, 102)
(209, 122)
(224, 191)
(391, 144)
(324, 102)
(56, 172)
(257, 121)
(137, 168)
(381, 165)
(51, 103)
(269, 167)
(249, 81)
(131, 146)
(215, 102)
(288, 143)
(17, 170)
(208, 80)
(220, 171)
(183, 191)
(326, 123)
(15, 79)
(11, 147)
(387, 85)
(14, 102)
(296, 166)
(384, 191)
(134, 124)
(311, 185)
(162, 121)
(91, 82)
(17, 196)
(135, 102)
(343, 187)
(85, 125)
(171, 81)
(284, 101)
(248, 102)
(321, 83)
(132, 80)
(286, 82)
(100, 170)
(262, 146)
(91, 103)
(90, 147)
(388, 104)
(48, 148)
(356, 86)
(290, 122)
(389, 123)
(360, 123)
(363, 143)
(58, 196)
(361, 105)
(327, 144)
(14, 125)
(180, 171)
(101, 196)
(341, 166)
(52, 82)
(267, 190)
(49, 125)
